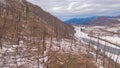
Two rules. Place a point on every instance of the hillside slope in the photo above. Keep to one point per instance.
(28, 34)
(19, 17)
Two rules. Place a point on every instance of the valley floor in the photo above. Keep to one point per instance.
(104, 41)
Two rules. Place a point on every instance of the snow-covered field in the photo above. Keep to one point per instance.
(118, 19)
(79, 34)
(113, 39)
(113, 29)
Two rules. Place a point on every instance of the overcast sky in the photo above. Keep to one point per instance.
(65, 9)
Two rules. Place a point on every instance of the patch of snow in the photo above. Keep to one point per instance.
(118, 19)
(116, 58)
(79, 34)
(113, 39)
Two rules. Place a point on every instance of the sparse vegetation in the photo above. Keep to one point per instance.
(33, 38)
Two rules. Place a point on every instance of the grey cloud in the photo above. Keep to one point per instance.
(74, 8)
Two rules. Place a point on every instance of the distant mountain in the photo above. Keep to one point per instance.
(103, 20)
(95, 21)
(79, 20)
(117, 16)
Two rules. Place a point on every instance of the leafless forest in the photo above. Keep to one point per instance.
(33, 38)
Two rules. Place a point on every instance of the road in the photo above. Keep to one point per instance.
(108, 47)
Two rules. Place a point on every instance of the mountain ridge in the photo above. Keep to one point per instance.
(79, 20)
(95, 21)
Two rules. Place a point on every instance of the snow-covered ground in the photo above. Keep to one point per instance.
(118, 19)
(26, 57)
(113, 39)
(79, 34)
(113, 29)
(25, 54)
